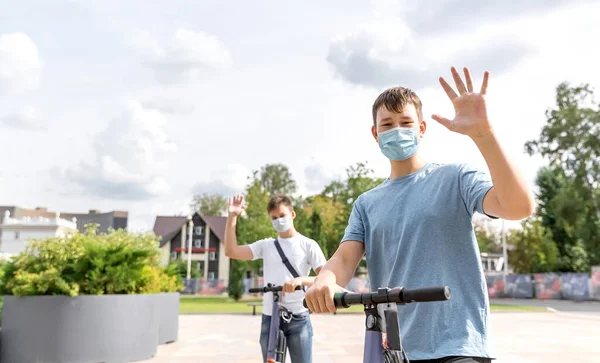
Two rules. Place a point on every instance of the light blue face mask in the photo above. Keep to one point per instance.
(399, 143)
(282, 224)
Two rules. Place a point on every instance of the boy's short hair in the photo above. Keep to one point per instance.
(395, 99)
(278, 200)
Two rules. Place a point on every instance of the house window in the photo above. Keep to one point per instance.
(198, 243)
(17, 235)
(199, 230)
(212, 256)
(211, 275)
(173, 255)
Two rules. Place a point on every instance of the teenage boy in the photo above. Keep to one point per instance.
(416, 227)
(302, 254)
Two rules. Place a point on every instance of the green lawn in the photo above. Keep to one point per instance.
(218, 304)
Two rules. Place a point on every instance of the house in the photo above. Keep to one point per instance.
(106, 220)
(207, 239)
(15, 232)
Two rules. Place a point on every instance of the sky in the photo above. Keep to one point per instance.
(137, 106)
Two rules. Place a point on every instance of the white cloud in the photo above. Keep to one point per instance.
(170, 106)
(26, 118)
(447, 16)
(386, 52)
(316, 177)
(184, 56)
(131, 158)
(278, 102)
(227, 181)
(20, 63)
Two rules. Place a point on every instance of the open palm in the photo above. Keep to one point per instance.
(470, 110)
(236, 205)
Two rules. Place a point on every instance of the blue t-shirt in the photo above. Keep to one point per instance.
(418, 232)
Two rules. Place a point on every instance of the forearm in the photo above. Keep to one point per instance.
(512, 191)
(307, 280)
(230, 236)
(337, 271)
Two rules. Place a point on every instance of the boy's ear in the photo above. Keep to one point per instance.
(422, 128)
(374, 132)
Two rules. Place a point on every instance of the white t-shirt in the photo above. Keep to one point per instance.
(302, 252)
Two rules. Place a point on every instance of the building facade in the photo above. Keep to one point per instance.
(106, 220)
(207, 237)
(16, 232)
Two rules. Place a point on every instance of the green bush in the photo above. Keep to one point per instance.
(118, 262)
(180, 266)
(236, 279)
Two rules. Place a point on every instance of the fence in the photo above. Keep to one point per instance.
(567, 286)
(204, 287)
(595, 283)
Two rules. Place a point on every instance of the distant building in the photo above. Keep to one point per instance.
(208, 238)
(114, 219)
(15, 232)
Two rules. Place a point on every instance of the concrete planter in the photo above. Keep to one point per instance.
(167, 307)
(62, 329)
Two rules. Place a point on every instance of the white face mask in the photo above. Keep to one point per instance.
(282, 224)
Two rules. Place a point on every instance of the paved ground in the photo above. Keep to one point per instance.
(560, 305)
(520, 338)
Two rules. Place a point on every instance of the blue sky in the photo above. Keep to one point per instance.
(135, 106)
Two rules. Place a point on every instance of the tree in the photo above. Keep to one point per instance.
(277, 179)
(334, 190)
(335, 203)
(534, 250)
(235, 289)
(359, 179)
(551, 183)
(570, 140)
(209, 204)
(254, 224)
(571, 136)
(485, 238)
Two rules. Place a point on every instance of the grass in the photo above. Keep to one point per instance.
(223, 304)
(215, 304)
(219, 304)
(502, 307)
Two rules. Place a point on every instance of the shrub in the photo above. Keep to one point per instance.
(236, 279)
(157, 279)
(180, 266)
(118, 262)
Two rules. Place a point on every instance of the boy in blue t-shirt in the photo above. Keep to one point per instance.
(416, 227)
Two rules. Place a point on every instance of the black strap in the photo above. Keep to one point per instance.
(285, 261)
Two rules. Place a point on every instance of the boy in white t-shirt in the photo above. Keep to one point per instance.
(303, 254)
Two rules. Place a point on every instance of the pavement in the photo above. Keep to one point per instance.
(555, 305)
(521, 337)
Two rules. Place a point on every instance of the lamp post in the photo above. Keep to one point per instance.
(504, 250)
(189, 249)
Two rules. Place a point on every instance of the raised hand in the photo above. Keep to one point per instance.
(470, 116)
(236, 205)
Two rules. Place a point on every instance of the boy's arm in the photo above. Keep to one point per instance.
(232, 250)
(510, 198)
(290, 285)
(337, 272)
